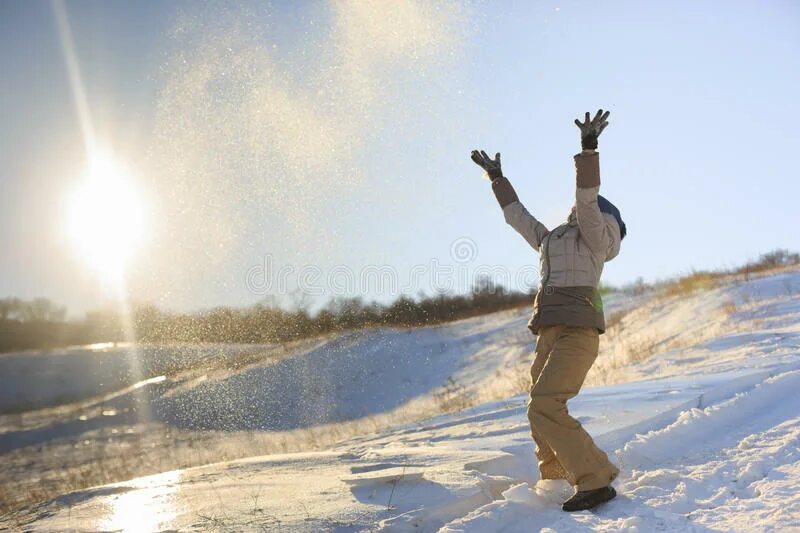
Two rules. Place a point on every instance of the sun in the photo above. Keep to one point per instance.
(106, 217)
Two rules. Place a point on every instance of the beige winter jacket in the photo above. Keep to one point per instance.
(571, 256)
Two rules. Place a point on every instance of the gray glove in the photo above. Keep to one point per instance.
(591, 129)
(492, 167)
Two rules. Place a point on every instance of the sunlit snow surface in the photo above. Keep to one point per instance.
(707, 438)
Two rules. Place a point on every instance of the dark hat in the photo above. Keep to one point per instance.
(611, 209)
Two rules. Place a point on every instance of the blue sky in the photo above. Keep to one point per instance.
(698, 155)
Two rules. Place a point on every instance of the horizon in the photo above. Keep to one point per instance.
(766, 264)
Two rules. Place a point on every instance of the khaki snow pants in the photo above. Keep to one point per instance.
(564, 355)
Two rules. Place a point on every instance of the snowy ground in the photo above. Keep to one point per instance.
(700, 407)
(40, 379)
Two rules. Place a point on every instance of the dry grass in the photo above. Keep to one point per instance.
(694, 282)
(522, 380)
(453, 397)
(614, 321)
(730, 308)
(768, 264)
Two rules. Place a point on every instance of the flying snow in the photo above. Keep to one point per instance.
(255, 132)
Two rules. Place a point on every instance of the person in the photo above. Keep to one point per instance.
(567, 317)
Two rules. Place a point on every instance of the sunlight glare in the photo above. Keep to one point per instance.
(105, 218)
(150, 505)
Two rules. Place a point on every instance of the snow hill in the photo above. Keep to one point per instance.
(696, 397)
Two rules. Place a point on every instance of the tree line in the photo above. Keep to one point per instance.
(40, 324)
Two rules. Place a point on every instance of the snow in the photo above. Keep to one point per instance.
(703, 418)
(396, 374)
(37, 379)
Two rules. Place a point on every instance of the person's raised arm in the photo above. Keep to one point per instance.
(514, 212)
(594, 228)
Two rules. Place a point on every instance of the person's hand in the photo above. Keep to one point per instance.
(592, 128)
(491, 166)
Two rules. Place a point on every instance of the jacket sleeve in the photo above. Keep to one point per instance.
(600, 232)
(516, 215)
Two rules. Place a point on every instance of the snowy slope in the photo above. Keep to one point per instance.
(39, 379)
(402, 373)
(701, 410)
(399, 374)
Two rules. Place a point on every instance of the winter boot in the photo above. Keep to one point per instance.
(586, 499)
